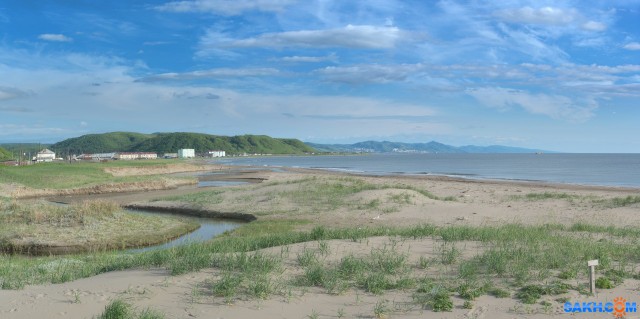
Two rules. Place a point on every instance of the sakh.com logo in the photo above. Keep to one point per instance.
(618, 308)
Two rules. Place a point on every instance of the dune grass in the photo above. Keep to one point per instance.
(613, 202)
(308, 195)
(514, 259)
(119, 309)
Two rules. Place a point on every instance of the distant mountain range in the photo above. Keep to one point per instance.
(430, 147)
(250, 144)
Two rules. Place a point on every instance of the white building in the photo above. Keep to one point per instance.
(186, 153)
(217, 153)
(135, 155)
(46, 155)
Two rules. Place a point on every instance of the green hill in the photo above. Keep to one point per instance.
(17, 148)
(5, 155)
(100, 143)
(261, 144)
(171, 142)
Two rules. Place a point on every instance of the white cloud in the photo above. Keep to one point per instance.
(310, 59)
(54, 37)
(351, 36)
(594, 26)
(213, 73)
(369, 73)
(543, 16)
(632, 46)
(225, 7)
(554, 106)
(532, 45)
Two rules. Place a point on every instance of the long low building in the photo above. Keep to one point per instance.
(135, 155)
(117, 156)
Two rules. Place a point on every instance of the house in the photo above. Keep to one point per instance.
(186, 153)
(216, 153)
(46, 155)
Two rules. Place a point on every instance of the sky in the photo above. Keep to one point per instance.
(555, 75)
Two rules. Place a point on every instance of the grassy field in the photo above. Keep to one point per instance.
(65, 175)
(43, 228)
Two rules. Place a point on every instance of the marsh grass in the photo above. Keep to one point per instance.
(40, 227)
(200, 199)
(65, 175)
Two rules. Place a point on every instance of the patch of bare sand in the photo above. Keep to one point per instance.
(160, 169)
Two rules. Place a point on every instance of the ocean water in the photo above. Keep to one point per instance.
(584, 169)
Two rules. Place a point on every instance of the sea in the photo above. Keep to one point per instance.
(618, 170)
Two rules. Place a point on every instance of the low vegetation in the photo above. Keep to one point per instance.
(5, 155)
(68, 176)
(310, 195)
(43, 228)
(119, 309)
(591, 200)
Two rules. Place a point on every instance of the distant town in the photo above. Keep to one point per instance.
(47, 155)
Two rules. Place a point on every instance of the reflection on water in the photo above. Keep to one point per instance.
(209, 228)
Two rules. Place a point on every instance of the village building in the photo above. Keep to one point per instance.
(135, 155)
(216, 153)
(46, 155)
(186, 153)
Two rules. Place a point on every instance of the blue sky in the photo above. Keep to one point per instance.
(557, 75)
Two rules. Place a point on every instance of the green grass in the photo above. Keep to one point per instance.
(119, 309)
(65, 175)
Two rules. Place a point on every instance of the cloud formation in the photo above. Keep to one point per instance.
(543, 16)
(208, 74)
(554, 106)
(634, 46)
(350, 36)
(54, 37)
(224, 7)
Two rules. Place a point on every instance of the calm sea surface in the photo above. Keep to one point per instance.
(586, 169)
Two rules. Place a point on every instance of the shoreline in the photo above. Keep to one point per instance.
(559, 171)
(450, 178)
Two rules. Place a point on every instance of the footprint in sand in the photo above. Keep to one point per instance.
(476, 313)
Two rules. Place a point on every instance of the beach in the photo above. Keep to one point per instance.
(360, 201)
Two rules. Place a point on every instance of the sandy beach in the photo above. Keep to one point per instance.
(391, 201)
